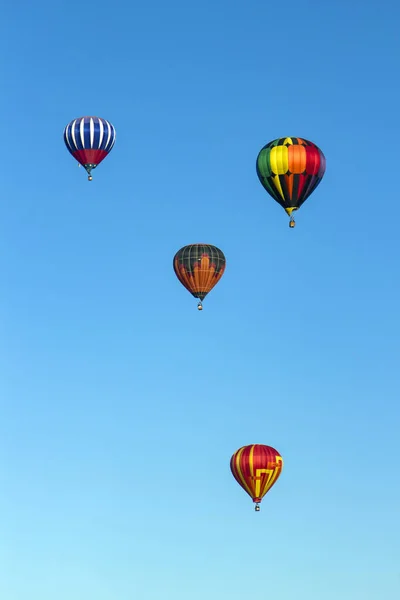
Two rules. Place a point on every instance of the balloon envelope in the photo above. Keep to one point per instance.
(199, 267)
(290, 169)
(256, 468)
(89, 140)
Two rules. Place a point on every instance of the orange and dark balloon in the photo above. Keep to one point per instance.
(256, 468)
(199, 267)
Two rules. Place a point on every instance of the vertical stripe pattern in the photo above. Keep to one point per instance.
(89, 140)
(256, 468)
(89, 133)
(290, 169)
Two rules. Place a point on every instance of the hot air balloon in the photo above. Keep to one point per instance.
(256, 468)
(199, 267)
(290, 169)
(89, 140)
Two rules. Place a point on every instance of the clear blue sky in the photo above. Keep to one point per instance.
(121, 404)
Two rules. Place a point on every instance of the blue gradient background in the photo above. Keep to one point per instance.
(120, 404)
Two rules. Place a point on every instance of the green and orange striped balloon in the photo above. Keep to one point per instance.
(256, 468)
(290, 169)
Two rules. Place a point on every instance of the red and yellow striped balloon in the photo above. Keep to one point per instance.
(256, 468)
